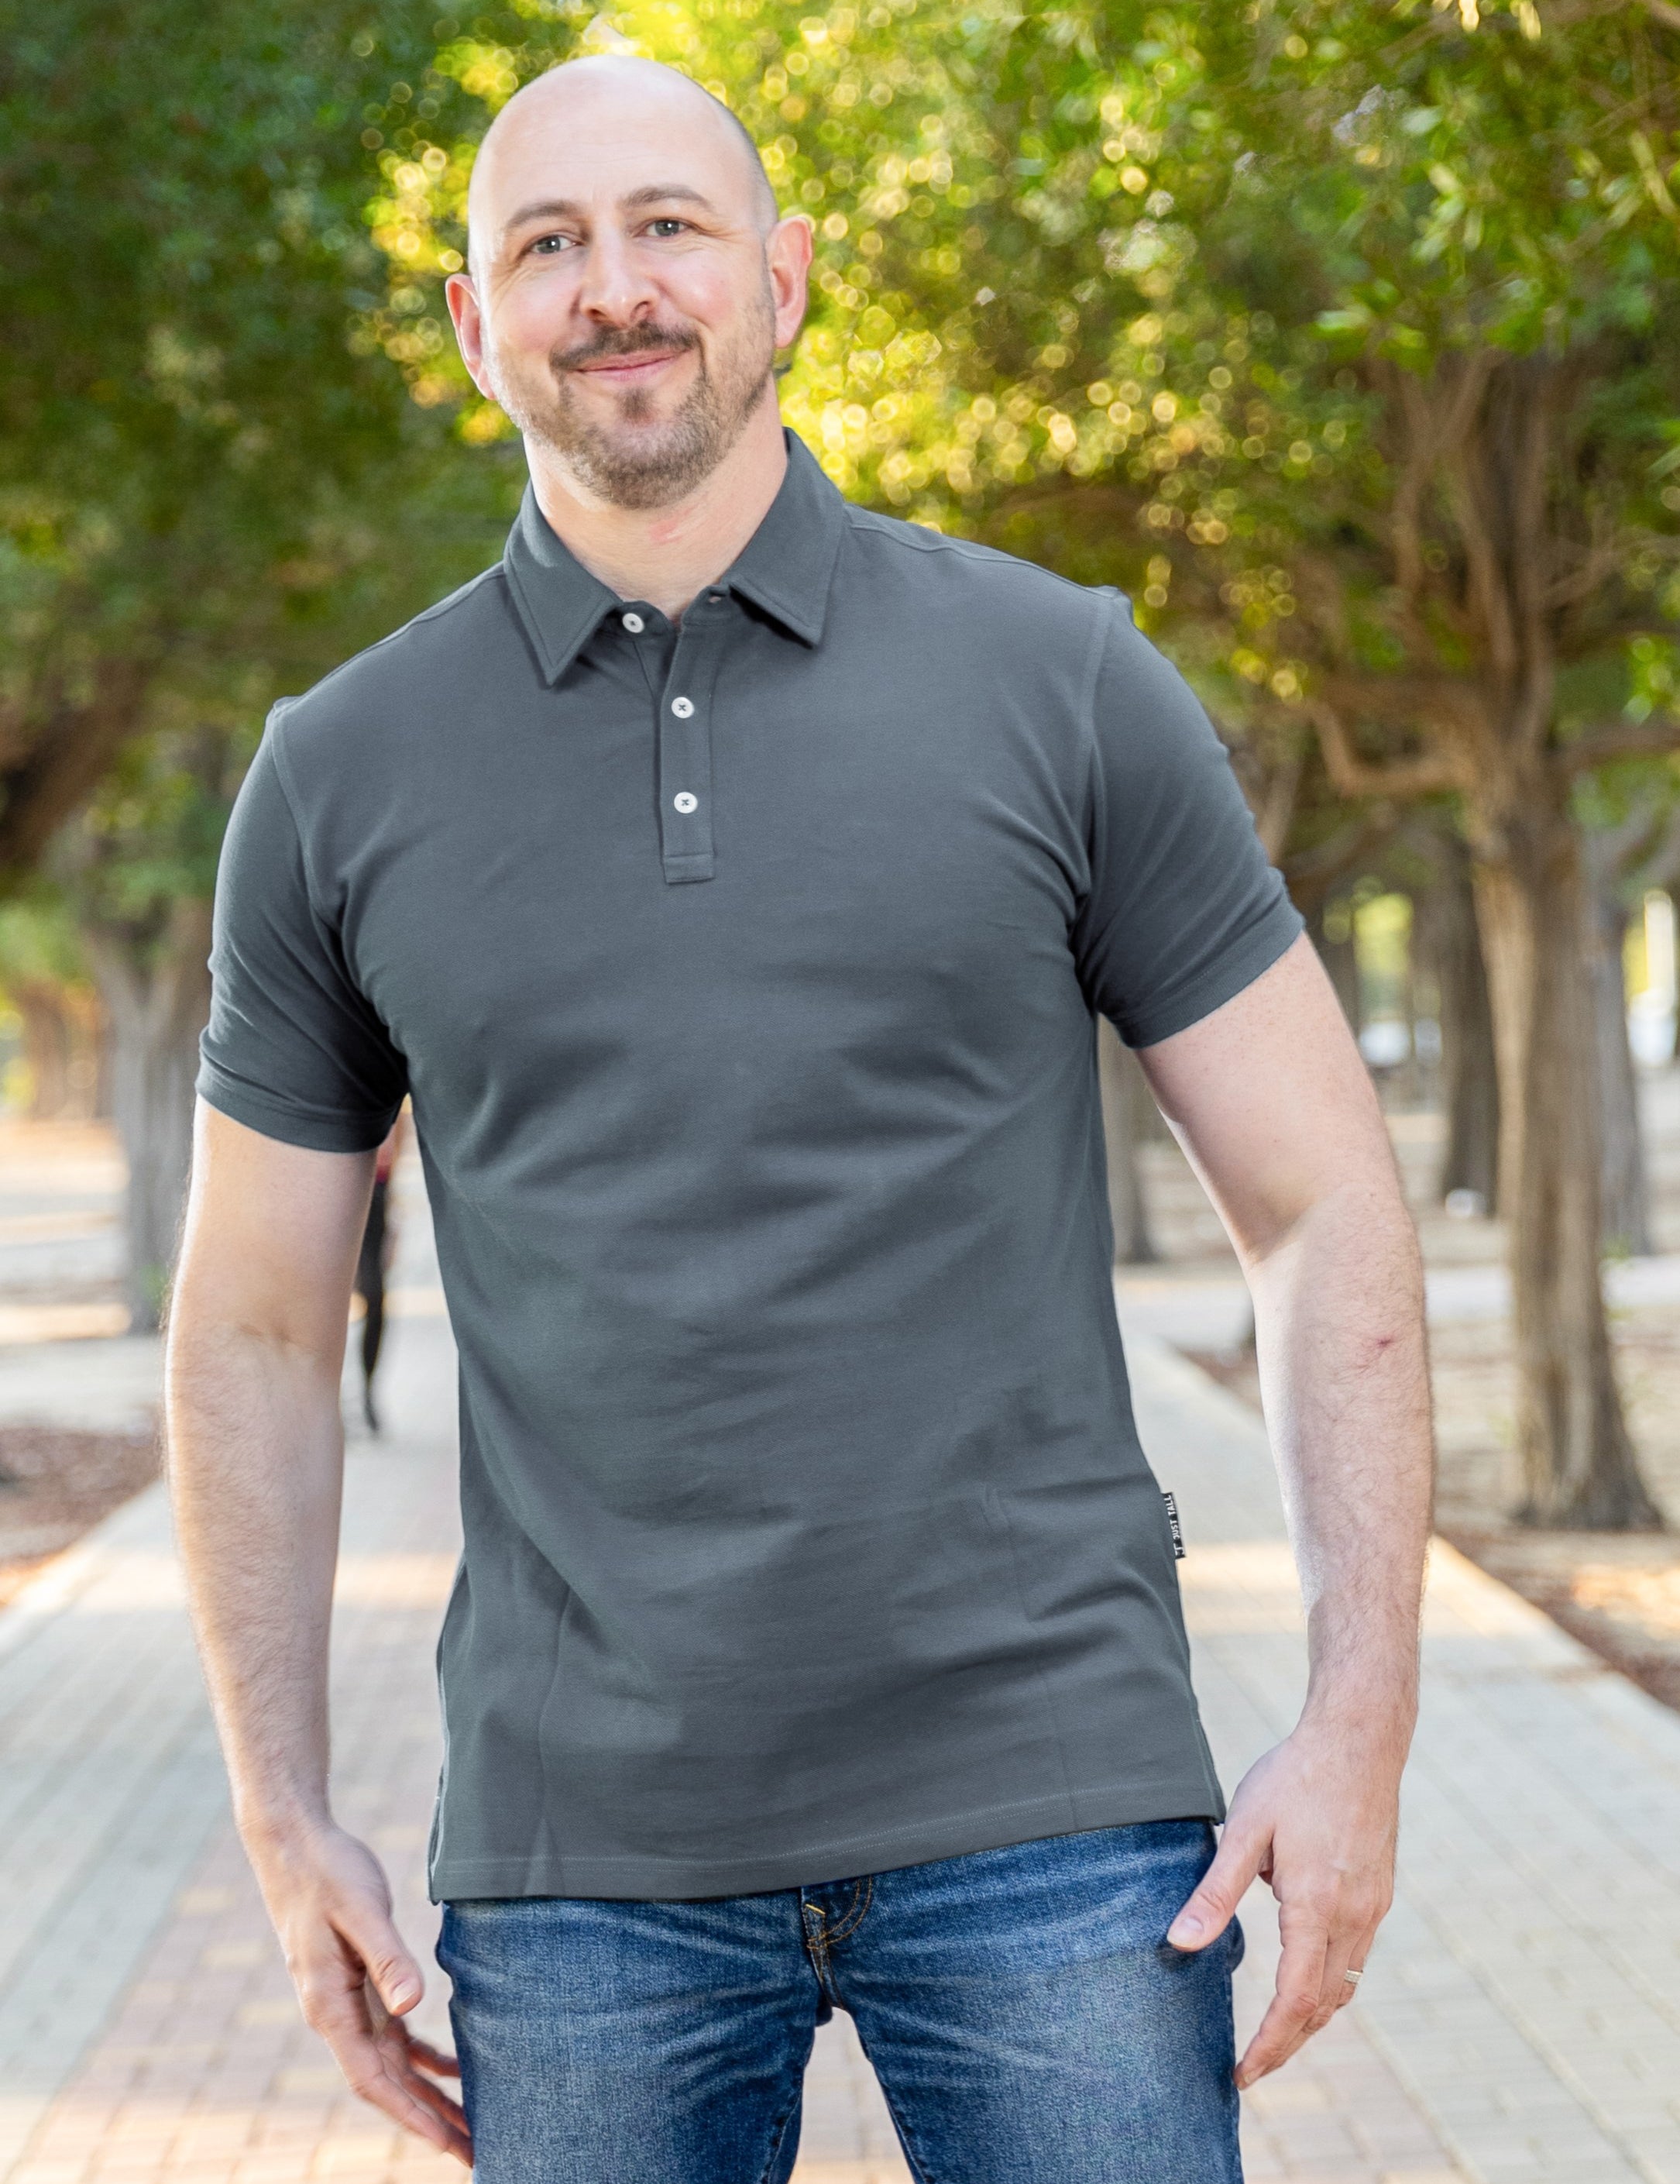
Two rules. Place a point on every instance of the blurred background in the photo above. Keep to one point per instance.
(1343, 336)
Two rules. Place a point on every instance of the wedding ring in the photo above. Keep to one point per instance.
(1354, 1976)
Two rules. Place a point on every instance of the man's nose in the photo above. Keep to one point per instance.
(616, 289)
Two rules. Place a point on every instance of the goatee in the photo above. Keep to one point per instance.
(635, 461)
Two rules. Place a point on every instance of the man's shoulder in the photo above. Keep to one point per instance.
(411, 673)
(960, 572)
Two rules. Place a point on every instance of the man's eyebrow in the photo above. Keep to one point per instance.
(651, 193)
(549, 208)
(667, 193)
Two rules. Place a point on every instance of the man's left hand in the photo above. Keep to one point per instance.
(1316, 1817)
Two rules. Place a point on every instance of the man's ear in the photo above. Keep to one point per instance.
(788, 259)
(469, 323)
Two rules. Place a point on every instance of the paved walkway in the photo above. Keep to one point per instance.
(1199, 1310)
(1521, 2020)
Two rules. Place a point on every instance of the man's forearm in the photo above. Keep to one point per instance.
(1338, 1317)
(256, 1466)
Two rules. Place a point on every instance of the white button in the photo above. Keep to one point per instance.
(634, 624)
(682, 707)
(685, 801)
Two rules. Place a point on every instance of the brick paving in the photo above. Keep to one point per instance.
(1521, 2020)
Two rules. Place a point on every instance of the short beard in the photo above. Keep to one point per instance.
(656, 466)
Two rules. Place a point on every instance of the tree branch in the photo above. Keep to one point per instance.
(1310, 874)
(1414, 695)
(1619, 739)
(40, 790)
(1599, 562)
(1351, 775)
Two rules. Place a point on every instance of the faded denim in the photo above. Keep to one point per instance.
(1027, 2019)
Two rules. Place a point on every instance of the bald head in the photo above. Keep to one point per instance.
(597, 93)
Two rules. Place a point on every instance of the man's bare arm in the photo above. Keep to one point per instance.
(256, 1345)
(1272, 1102)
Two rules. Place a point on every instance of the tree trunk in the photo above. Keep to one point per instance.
(156, 996)
(1470, 1084)
(1626, 1202)
(47, 1046)
(1338, 956)
(1579, 1463)
(1123, 1090)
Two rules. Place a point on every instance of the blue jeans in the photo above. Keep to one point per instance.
(1028, 2020)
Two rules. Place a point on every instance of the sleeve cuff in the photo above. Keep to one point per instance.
(321, 1130)
(1220, 981)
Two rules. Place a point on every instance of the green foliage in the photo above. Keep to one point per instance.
(153, 833)
(1145, 290)
(207, 489)
(1194, 261)
(38, 942)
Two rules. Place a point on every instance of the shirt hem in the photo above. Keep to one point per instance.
(643, 1877)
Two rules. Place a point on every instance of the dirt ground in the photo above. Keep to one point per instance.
(54, 1484)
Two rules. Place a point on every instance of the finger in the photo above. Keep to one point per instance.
(1300, 1981)
(434, 2058)
(1342, 1989)
(405, 2058)
(364, 1928)
(342, 2004)
(1335, 1987)
(379, 2070)
(449, 2112)
(1208, 1910)
(370, 2078)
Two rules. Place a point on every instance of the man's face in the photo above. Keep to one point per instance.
(626, 302)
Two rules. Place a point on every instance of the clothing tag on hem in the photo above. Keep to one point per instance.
(1176, 1527)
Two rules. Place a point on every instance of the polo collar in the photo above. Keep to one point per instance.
(788, 566)
(560, 603)
(785, 569)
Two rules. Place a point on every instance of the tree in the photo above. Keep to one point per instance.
(212, 487)
(1469, 1064)
(43, 976)
(137, 870)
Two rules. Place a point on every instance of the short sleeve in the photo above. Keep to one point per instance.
(292, 1049)
(1184, 908)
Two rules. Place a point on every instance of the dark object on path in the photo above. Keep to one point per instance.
(378, 1240)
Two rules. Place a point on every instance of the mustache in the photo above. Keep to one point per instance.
(622, 341)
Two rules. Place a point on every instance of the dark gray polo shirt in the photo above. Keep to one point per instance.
(744, 975)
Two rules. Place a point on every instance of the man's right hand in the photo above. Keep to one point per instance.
(257, 1320)
(331, 1904)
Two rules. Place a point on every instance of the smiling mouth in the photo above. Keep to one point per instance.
(636, 365)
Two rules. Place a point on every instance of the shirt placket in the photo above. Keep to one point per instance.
(686, 708)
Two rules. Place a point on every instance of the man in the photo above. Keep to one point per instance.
(734, 878)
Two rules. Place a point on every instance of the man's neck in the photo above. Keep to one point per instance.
(667, 555)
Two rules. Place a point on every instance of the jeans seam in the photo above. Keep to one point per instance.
(862, 1896)
(924, 2175)
(779, 2130)
(816, 1948)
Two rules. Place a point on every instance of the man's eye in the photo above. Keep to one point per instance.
(550, 244)
(666, 226)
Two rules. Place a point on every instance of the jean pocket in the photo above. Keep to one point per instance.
(1238, 1940)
